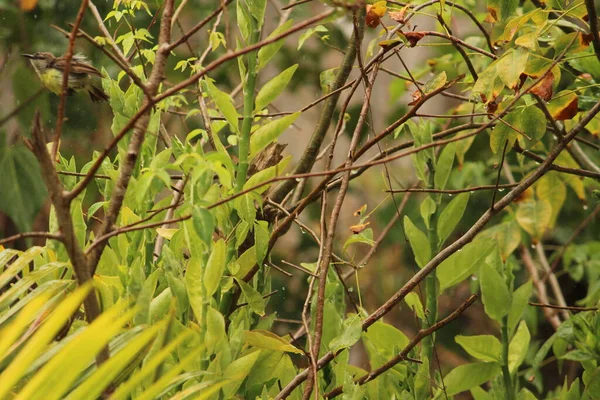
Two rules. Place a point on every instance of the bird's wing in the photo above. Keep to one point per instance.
(77, 66)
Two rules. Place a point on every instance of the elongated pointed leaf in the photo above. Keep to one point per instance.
(13, 373)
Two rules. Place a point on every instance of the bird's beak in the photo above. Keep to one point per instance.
(27, 55)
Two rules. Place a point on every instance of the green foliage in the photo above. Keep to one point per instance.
(190, 304)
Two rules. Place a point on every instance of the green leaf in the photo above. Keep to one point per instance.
(204, 223)
(245, 208)
(245, 263)
(529, 120)
(507, 235)
(215, 329)
(593, 384)
(451, 215)
(55, 378)
(269, 132)
(365, 237)
(215, 267)
(534, 217)
(151, 364)
(512, 65)
(435, 83)
(257, 9)
(388, 339)
(503, 8)
(351, 331)
(308, 33)
(243, 17)
(225, 104)
(93, 386)
(269, 340)
(266, 175)
(520, 299)
(274, 88)
(145, 296)
(468, 376)
(483, 347)
(551, 188)
(443, 167)
(261, 240)
(418, 242)
(266, 53)
(489, 85)
(23, 191)
(413, 301)
(423, 380)
(495, 294)
(238, 371)
(193, 285)
(517, 349)
(253, 297)
(427, 209)
(463, 263)
(480, 394)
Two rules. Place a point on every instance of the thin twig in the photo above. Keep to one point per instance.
(593, 21)
(47, 235)
(65, 79)
(567, 308)
(453, 191)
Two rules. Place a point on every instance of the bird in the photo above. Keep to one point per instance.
(50, 69)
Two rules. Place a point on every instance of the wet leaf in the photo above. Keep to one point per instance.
(535, 217)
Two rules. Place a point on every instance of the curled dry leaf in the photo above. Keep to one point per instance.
(399, 16)
(492, 107)
(416, 97)
(358, 228)
(413, 37)
(374, 13)
(544, 88)
(360, 211)
(492, 15)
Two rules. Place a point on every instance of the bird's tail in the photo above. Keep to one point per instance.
(97, 95)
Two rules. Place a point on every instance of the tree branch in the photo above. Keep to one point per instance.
(423, 333)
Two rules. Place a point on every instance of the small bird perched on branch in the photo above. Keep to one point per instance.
(50, 69)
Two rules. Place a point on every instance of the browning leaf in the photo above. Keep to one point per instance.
(413, 37)
(565, 109)
(492, 107)
(358, 228)
(526, 195)
(374, 13)
(360, 211)
(492, 15)
(544, 88)
(416, 97)
(399, 16)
